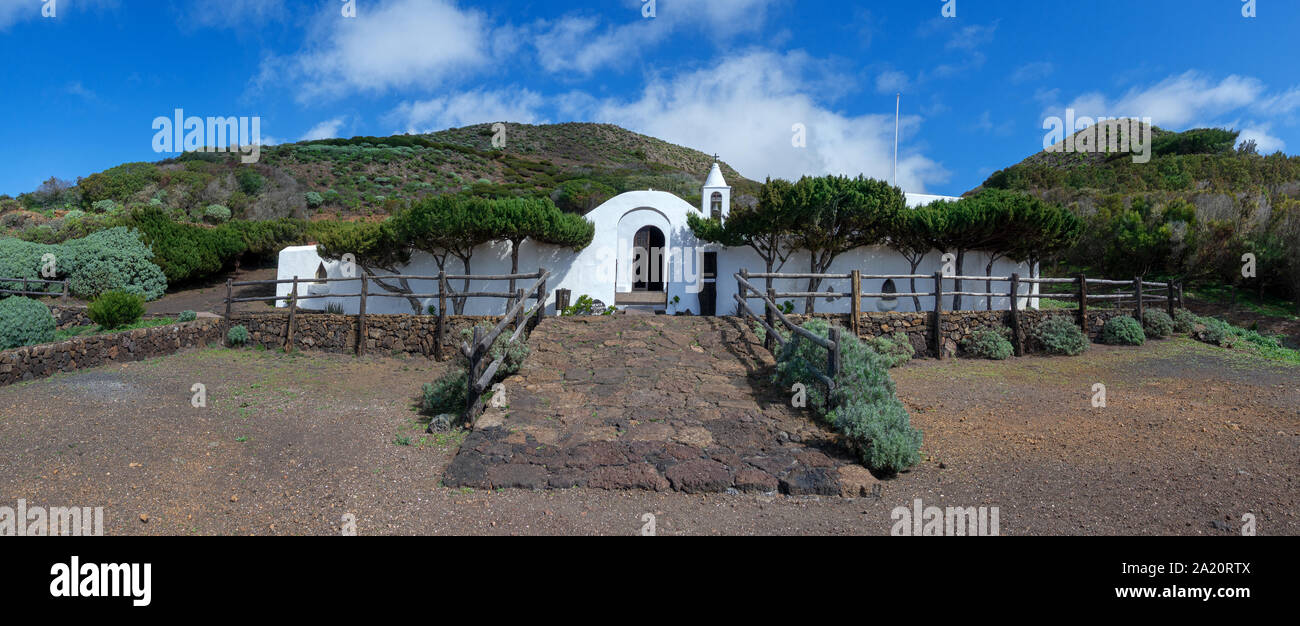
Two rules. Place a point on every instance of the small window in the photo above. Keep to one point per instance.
(888, 303)
(716, 205)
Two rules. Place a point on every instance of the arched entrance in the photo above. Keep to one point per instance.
(648, 257)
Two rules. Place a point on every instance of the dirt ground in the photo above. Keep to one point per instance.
(289, 444)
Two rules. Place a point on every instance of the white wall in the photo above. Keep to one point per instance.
(605, 267)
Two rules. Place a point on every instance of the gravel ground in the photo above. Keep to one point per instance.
(290, 444)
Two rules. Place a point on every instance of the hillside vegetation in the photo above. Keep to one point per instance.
(1193, 211)
(577, 165)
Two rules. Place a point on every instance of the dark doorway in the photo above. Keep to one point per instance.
(709, 290)
(648, 259)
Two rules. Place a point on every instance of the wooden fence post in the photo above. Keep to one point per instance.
(1169, 298)
(440, 333)
(1137, 293)
(833, 356)
(1016, 340)
(362, 331)
(476, 355)
(293, 312)
(230, 290)
(561, 301)
(23, 293)
(1083, 304)
(519, 317)
(541, 297)
(742, 290)
(856, 307)
(65, 293)
(769, 316)
(1181, 304)
(938, 315)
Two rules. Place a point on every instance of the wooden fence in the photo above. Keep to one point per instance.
(444, 293)
(1142, 293)
(481, 375)
(774, 339)
(480, 372)
(25, 282)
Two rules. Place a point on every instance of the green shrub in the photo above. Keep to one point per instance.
(867, 410)
(113, 259)
(74, 215)
(216, 214)
(314, 199)
(988, 344)
(897, 348)
(1123, 331)
(115, 309)
(447, 394)
(104, 206)
(185, 252)
(237, 335)
(24, 322)
(250, 182)
(515, 353)
(187, 316)
(893, 444)
(584, 305)
(1059, 335)
(1184, 321)
(117, 183)
(1157, 324)
(106, 260)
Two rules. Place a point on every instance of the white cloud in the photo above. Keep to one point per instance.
(1265, 142)
(328, 129)
(1032, 71)
(581, 43)
(891, 82)
(1282, 104)
(1174, 102)
(744, 108)
(465, 109)
(393, 44)
(971, 36)
(237, 15)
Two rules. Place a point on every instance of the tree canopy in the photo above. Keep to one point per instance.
(835, 214)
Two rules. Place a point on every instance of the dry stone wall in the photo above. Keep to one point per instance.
(959, 325)
(31, 362)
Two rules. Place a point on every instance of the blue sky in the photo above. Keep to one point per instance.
(728, 76)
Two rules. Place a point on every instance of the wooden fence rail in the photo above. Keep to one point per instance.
(773, 338)
(25, 282)
(1142, 292)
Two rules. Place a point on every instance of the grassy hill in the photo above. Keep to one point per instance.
(1200, 165)
(576, 164)
(1193, 210)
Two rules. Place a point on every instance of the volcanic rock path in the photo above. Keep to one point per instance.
(656, 403)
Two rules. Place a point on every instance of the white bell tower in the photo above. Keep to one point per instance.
(715, 199)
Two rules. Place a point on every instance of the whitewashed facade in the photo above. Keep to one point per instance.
(607, 269)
